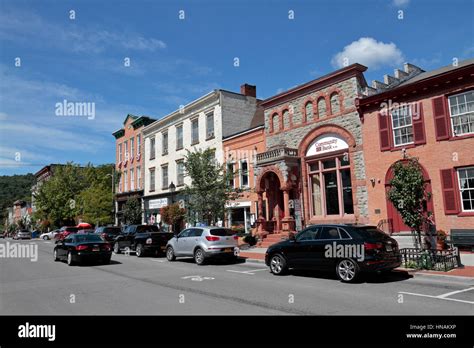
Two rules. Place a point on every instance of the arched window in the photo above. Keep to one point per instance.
(286, 119)
(309, 110)
(275, 122)
(322, 107)
(335, 105)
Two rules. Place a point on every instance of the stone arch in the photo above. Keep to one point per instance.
(323, 129)
(266, 170)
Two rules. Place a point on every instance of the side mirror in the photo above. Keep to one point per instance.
(292, 237)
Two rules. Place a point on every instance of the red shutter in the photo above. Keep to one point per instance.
(441, 118)
(450, 192)
(384, 129)
(418, 124)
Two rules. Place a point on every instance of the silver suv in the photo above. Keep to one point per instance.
(203, 243)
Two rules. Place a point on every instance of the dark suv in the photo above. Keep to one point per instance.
(108, 233)
(346, 249)
(142, 239)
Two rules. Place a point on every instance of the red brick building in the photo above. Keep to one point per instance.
(429, 115)
(129, 161)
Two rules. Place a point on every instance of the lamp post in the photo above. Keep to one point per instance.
(113, 191)
(172, 189)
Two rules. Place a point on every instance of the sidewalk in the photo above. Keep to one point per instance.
(467, 259)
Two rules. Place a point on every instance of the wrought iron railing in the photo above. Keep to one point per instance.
(437, 260)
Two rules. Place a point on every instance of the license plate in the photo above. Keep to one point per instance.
(163, 248)
(228, 250)
(388, 247)
(95, 249)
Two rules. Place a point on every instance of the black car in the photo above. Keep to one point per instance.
(346, 249)
(81, 248)
(142, 239)
(108, 233)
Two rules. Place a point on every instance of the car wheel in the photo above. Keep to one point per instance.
(170, 256)
(45, 238)
(278, 264)
(70, 262)
(116, 248)
(199, 257)
(139, 250)
(347, 270)
(56, 258)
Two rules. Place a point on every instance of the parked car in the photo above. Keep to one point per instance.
(66, 231)
(2, 234)
(22, 234)
(49, 235)
(85, 231)
(325, 248)
(108, 233)
(78, 248)
(142, 239)
(203, 243)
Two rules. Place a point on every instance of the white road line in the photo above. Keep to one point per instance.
(454, 292)
(437, 297)
(46, 242)
(157, 260)
(251, 272)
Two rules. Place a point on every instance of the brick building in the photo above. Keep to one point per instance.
(129, 162)
(429, 115)
(313, 169)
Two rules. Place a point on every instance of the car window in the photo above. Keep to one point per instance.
(68, 240)
(370, 232)
(310, 233)
(147, 228)
(344, 234)
(72, 229)
(81, 238)
(112, 230)
(222, 232)
(196, 232)
(185, 233)
(330, 233)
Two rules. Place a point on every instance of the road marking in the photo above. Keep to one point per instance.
(197, 278)
(46, 242)
(437, 297)
(251, 272)
(157, 260)
(454, 292)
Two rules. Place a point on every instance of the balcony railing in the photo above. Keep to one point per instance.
(275, 155)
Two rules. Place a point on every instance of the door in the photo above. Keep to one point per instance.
(181, 242)
(192, 240)
(325, 248)
(300, 253)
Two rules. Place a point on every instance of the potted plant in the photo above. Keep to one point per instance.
(441, 240)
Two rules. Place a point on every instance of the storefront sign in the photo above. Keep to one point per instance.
(157, 203)
(326, 143)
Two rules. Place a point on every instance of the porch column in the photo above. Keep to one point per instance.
(261, 232)
(260, 204)
(286, 202)
(288, 223)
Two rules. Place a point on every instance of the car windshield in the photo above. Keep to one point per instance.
(71, 229)
(112, 230)
(222, 232)
(370, 232)
(81, 238)
(148, 228)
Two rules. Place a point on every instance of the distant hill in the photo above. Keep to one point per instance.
(12, 188)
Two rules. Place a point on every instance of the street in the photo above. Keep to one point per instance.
(154, 286)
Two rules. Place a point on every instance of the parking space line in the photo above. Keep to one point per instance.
(437, 297)
(251, 272)
(455, 292)
(157, 260)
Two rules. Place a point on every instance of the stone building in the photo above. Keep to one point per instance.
(313, 168)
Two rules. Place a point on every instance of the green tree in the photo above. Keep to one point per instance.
(173, 215)
(210, 190)
(132, 212)
(409, 195)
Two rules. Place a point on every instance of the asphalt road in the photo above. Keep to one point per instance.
(152, 285)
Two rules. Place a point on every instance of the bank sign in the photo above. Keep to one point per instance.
(326, 143)
(157, 203)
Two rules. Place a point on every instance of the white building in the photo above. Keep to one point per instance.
(200, 124)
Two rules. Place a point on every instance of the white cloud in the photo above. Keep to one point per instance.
(400, 3)
(370, 52)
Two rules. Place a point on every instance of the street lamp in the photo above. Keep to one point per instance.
(172, 188)
(113, 190)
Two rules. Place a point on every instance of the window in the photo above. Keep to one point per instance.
(132, 180)
(195, 131)
(120, 153)
(331, 186)
(275, 122)
(466, 188)
(132, 147)
(139, 178)
(164, 143)
(309, 110)
(330, 233)
(120, 184)
(139, 143)
(210, 125)
(125, 145)
(244, 173)
(321, 107)
(196, 232)
(185, 233)
(402, 126)
(286, 119)
(152, 179)
(179, 137)
(152, 148)
(164, 177)
(125, 180)
(461, 108)
(180, 173)
(308, 234)
(335, 107)
(230, 169)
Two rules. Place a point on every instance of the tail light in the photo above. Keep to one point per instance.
(107, 247)
(81, 247)
(212, 238)
(236, 237)
(372, 246)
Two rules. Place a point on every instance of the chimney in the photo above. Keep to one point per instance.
(248, 90)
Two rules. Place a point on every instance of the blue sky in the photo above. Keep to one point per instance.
(174, 61)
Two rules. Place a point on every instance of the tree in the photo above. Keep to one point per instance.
(210, 190)
(173, 215)
(408, 194)
(132, 212)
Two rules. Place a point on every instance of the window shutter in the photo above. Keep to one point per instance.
(441, 118)
(384, 129)
(418, 124)
(448, 184)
